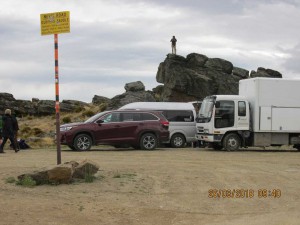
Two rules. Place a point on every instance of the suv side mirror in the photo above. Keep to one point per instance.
(99, 122)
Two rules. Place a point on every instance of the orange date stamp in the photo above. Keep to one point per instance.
(244, 193)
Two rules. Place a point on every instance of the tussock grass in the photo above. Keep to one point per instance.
(39, 132)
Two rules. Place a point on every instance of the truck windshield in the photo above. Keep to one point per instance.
(205, 112)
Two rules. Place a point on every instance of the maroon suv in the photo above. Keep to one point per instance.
(139, 129)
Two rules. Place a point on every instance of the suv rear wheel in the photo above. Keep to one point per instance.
(177, 141)
(148, 141)
(82, 142)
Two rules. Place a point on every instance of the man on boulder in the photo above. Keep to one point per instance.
(173, 45)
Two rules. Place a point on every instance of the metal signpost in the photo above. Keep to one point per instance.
(56, 23)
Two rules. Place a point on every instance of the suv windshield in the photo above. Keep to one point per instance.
(205, 112)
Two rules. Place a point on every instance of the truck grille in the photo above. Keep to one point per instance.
(200, 130)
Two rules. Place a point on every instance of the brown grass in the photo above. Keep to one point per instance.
(39, 132)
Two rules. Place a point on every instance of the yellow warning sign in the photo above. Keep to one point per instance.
(55, 23)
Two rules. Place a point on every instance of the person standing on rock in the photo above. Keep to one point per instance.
(173, 45)
(8, 130)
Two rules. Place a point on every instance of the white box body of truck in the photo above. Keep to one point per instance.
(274, 103)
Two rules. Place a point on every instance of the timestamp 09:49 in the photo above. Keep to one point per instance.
(244, 193)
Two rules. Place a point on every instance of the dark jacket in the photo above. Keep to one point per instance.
(9, 124)
(173, 40)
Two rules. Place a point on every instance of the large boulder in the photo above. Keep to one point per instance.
(98, 100)
(194, 78)
(72, 105)
(240, 72)
(219, 64)
(131, 95)
(262, 72)
(135, 86)
(197, 76)
(63, 173)
(85, 168)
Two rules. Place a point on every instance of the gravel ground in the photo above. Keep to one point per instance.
(163, 187)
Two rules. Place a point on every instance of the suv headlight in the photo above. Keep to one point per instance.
(65, 128)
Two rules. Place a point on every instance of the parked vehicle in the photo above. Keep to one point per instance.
(139, 129)
(181, 116)
(265, 113)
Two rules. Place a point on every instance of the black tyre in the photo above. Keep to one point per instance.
(82, 142)
(297, 147)
(71, 147)
(148, 141)
(231, 142)
(217, 146)
(177, 141)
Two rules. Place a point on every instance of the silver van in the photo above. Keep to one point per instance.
(181, 116)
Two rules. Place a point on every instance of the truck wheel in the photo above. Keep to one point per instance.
(177, 141)
(231, 142)
(217, 146)
(148, 141)
(82, 142)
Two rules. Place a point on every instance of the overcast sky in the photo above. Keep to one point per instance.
(113, 42)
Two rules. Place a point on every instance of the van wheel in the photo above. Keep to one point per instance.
(177, 141)
(231, 142)
(82, 142)
(148, 141)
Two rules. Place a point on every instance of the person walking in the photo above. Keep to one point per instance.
(15, 129)
(173, 45)
(8, 130)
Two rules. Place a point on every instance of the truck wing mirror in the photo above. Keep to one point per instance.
(217, 104)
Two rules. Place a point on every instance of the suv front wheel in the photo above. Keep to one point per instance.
(148, 141)
(82, 142)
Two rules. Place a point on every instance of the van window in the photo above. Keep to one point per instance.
(179, 115)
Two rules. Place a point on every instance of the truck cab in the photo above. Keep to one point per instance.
(224, 121)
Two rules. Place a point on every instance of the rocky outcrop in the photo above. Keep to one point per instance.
(36, 107)
(197, 76)
(240, 72)
(98, 100)
(135, 86)
(262, 72)
(135, 92)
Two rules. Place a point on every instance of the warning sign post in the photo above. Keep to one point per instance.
(56, 23)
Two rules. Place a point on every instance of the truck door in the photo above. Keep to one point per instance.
(265, 122)
(243, 116)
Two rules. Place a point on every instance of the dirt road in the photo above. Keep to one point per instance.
(162, 187)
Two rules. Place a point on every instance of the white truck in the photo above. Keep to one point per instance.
(265, 113)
